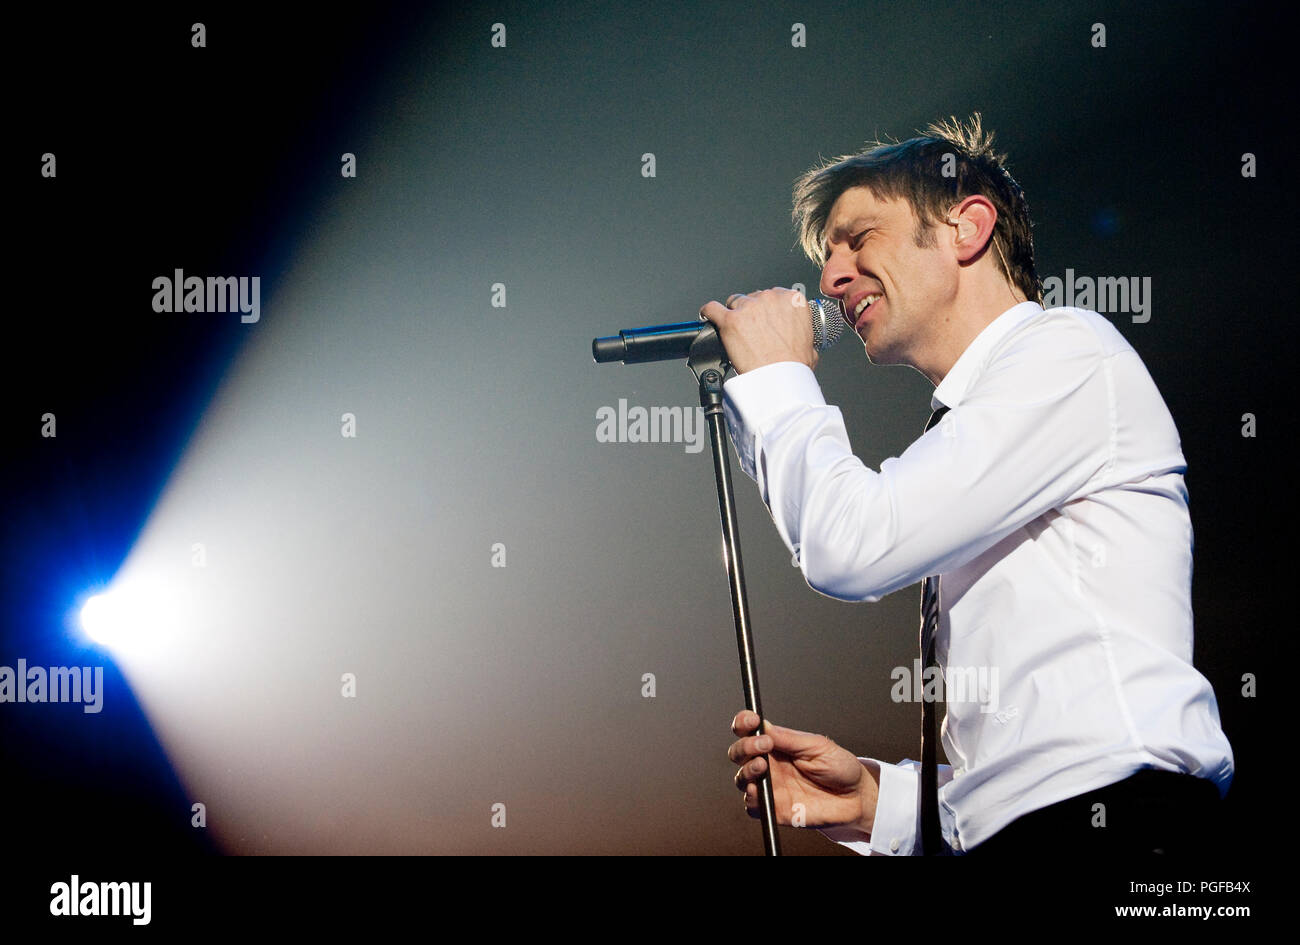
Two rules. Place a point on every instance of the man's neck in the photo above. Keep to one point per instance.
(959, 324)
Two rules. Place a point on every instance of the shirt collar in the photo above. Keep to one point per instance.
(953, 387)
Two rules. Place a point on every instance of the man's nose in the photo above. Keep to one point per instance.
(836, 275)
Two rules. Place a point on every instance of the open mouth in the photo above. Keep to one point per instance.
(864, 307)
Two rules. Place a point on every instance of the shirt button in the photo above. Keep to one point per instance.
(893, 845)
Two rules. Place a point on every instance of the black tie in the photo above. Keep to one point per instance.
(931, 834)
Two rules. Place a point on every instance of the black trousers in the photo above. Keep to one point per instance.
(1150, 813)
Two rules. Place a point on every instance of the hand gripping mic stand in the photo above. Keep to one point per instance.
(708, 362)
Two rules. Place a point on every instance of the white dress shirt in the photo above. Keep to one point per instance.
(1051, 500)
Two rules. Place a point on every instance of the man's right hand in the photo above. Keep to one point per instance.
(834, 787)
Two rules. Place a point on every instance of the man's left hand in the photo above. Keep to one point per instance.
(763, 328)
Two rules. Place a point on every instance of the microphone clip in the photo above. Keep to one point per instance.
(708, 362)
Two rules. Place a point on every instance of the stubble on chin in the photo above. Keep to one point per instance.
(876, 353)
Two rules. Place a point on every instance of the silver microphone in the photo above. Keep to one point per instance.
(828, 322)
(668, 342)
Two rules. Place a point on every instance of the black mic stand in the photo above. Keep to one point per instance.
(708, 362)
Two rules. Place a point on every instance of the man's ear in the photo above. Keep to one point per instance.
(973, 218)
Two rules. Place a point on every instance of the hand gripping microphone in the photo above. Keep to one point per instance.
(670, 342)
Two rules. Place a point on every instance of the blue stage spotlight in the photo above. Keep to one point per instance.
(134, 618)
(99, 619)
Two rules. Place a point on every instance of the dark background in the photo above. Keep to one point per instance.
(522, 165)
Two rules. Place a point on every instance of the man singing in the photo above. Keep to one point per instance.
(1044, 507)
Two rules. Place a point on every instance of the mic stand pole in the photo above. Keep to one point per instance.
(708, 362)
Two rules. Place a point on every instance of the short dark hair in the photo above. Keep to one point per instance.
(950, 161)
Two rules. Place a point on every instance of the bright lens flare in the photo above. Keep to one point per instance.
(134, 618)
(97, 618)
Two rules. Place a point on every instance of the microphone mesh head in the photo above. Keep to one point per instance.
(828, 323)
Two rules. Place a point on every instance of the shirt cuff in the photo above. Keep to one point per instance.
(753, 399)
(894, 831)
